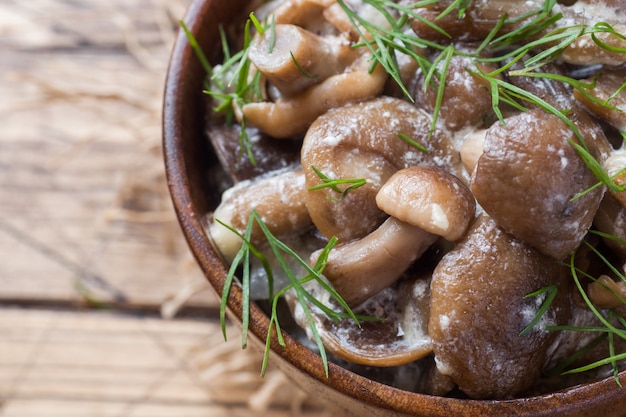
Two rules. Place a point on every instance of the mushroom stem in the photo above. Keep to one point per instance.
(472, 149)
(291, 116)
(361, 268)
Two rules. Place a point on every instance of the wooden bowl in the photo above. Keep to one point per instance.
(188, 161)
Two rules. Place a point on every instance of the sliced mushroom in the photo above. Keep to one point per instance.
(527, 177)
(361, 141)
(277, 198)
(424, 203)
(398, 337)
(479, 308)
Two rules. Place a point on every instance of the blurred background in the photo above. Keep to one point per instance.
(103, 311)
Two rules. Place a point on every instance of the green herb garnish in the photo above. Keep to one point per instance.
(281, 252)
(333, 184)
(550, 292)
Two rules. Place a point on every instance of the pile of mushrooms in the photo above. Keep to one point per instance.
(456, 227)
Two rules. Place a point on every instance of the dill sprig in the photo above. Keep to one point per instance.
(412, 142)
(231, 84)
(609, 331)
(333, 184)
(550, 293)
(384, 43)
(281, 252)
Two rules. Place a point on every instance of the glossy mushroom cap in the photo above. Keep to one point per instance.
(527, 177)
(429, 198)
(479, 308)
(361, 141)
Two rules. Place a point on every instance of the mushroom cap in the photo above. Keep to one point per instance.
(479, 309)
(527, 177)
(429, 198)
(361, 141)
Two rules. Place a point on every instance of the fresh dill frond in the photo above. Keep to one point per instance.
(235, 83)
(198, 52)
(412, 142)
(281, 252)
(333, 184)
(301, 69)
(550, 293)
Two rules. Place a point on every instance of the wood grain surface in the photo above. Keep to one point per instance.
(91, 255)
(84, 210)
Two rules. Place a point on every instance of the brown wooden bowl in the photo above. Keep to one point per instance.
(188, 161)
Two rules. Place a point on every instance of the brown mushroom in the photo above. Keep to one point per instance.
(611, 220)
(430, 198)
(477, 22)
(472, 148)
(479, 308)
(607, 293)
(314, 68)
(424, 203)
(585, 50)
(527, 177)
(277, 198)
(605, 84)
(399, 338)
(362, 141)
(466, 98)
(293, 59)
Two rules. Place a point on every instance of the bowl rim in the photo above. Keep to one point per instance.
(176, 113)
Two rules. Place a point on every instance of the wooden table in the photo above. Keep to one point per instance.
(91, 256)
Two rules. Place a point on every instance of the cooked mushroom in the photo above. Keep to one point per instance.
(466, 99)
(479, 308)
(430, 198)
(400, 336)
(313, 71)
(477, 22)
(606, 83)
(615, 166)
(607, 293)
(424, 203)
(611, 219)
(237, 163)
(472, 149)
(279, 200)
(291, 116)
(299, 58)
(361, 268)
(527, 177)
(480, 18)
(361, 141)
(608, 47)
